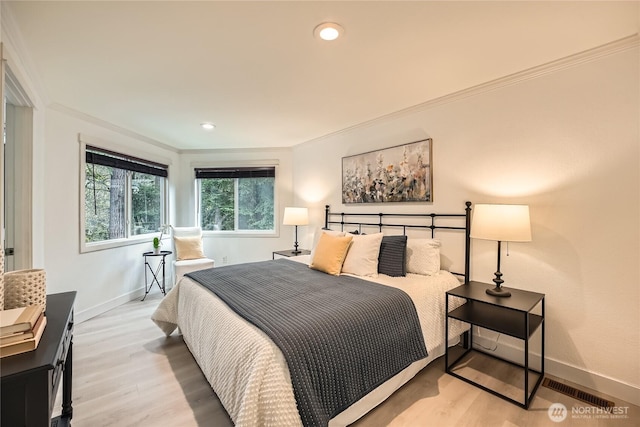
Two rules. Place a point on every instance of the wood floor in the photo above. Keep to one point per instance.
(126, 373)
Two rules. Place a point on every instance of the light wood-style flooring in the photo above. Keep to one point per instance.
(127, 373)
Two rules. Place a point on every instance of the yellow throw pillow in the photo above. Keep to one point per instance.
(188, 247)
(330, 253)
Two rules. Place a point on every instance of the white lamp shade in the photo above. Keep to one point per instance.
(505, 223)
(296, 216)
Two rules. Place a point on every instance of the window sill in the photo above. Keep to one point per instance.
(118, 243)
(212, 233)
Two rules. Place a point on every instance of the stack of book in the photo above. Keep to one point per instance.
(21, 329)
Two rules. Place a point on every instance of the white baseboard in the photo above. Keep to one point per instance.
(81, 316)
(593, 380)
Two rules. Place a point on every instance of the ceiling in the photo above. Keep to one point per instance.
(159, 69)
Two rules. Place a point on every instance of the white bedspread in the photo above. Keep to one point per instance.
(247, 370)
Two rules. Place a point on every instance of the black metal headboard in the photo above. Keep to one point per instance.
(385, 220)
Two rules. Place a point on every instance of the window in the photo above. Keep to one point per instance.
(124, 196)
(236, 199)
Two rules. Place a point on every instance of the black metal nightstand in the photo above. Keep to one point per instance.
(511, 316)
(290, 253)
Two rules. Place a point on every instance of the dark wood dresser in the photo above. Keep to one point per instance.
(29, 381)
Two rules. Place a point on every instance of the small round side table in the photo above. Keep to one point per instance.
(154, 273)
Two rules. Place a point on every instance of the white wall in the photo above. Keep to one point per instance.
(105, 278)
(567, 144)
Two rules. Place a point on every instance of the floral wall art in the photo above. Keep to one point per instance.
(396, 174)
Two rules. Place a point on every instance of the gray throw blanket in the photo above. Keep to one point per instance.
(341, 336)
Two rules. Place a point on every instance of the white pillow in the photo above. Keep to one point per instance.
(423, 256)
(362, 258)
(316, 238)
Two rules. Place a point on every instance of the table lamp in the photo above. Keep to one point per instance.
(296, 216)
(503, 223)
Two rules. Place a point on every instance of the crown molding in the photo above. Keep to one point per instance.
(110, 126)
(626, 43)
(259, 150)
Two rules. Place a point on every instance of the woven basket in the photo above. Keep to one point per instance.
(25, 287)
(1, 279)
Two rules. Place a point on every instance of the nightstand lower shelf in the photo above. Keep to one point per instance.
(505, 381)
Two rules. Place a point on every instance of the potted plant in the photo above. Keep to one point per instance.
(157, 241)
(156, 245)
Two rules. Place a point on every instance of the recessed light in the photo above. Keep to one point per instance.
(328, 31)
(208, 126)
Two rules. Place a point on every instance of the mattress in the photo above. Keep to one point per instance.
(248, 371)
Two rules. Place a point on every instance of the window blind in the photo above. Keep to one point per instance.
(239, 172)
(99, 156)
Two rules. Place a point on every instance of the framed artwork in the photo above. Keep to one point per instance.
(396, 174)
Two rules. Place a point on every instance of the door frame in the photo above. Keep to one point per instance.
(17, 114)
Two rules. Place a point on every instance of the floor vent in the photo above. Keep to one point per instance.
(578, 394)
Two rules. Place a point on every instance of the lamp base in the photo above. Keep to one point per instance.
(498, 292)
(296, 252)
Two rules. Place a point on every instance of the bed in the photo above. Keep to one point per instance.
(250, 368)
